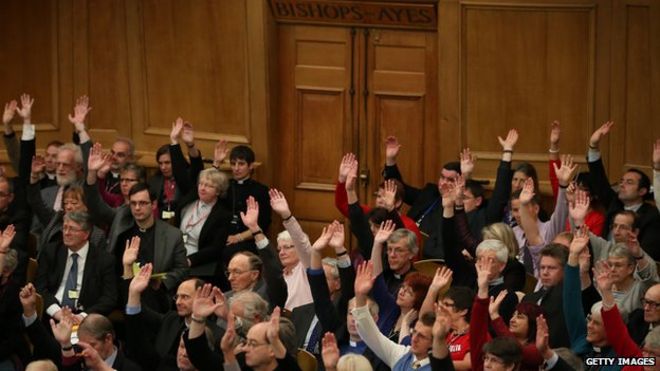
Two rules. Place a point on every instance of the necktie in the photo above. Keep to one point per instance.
(416, 365)
(71, 283)
(313, 344)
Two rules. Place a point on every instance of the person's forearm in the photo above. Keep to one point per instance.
(608, 298)
(91, 177)
(376, 258)
(316, 260)
(429, 300)
(300, 240)
(196, 329)
(440, 349)
(529, 226)
(134, 300)
(352, 196)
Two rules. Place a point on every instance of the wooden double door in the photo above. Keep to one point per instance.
(345, 90)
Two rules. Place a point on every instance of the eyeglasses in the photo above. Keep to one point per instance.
(652, 304)
(236, 272)
(397, 251)
(68, 228)
(127, 180)
(254, 344)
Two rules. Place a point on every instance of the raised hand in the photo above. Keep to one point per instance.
(278, 203)
(442, 278)
(580, 240)
(484, 268)
(543, 337)
(220, 152)
(219, 298)
(338, 236)
(566, 170)
(38, 165)
(96, 158)
(352, 176)
(408, 318)
(324, 238)
(273, 331)
(131, 251)
(448, 193)
(527, 192)
(140, 282)
(26, 107)
(364, 278)
(392, 147)
(555, 132)
(579, 208)
(80, 111)
(7, 237)
(329, 351)
(494, 305)
(62, 330)
(384, 232)
(656, 155)
(251, 215)
(467, 162)
(602, 276)
(28, 298)
(631, 242)
(10, 110)
(204, 303)
(389, 194)
(600, 133)
(93, 359)
(175, 133)
(345, 166)
(228, 341)
(442, 324)
(510, 141)
(188, 134)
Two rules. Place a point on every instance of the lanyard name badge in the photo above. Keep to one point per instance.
(192, 223)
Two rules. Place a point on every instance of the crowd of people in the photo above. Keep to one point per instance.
(102, 268)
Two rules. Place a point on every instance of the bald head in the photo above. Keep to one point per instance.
(651, 305)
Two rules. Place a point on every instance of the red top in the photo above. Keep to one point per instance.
(594, 220)
(618, 336)
(531, 358)
(459, 345)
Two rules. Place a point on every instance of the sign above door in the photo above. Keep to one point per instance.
(386, 14)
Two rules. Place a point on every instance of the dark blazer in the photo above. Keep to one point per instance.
(649, 218)
(98, 293)
(551, 303)
(169, 253)
(273, 275)
(152, 338)
(302, 317)
(121, 363)
(44, 344)
(12, 340)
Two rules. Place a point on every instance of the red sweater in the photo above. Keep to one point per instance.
(618, 336)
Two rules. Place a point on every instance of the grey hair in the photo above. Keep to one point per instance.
(500, 249)
(11, 260)
(130, 143)
(218, 178)
(284, 236)
(620, 250)
(79, 217)
(408, 236)
(571, 358)
(254, 306)
(77, 153)
(371, 303)
(652, 339)
(332, 263)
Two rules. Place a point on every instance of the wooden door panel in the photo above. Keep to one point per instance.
(402, 103)
(315, 119)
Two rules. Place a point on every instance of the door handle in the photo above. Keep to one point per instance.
(364, 176)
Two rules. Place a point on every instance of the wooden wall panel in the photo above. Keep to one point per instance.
(404, 103)
(523, 69)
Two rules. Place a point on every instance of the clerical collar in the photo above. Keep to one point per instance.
(633, 207)
(497, 281)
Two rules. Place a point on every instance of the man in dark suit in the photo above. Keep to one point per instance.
(634, 190)
(160, 243)
(549, 297)
(75, 273)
